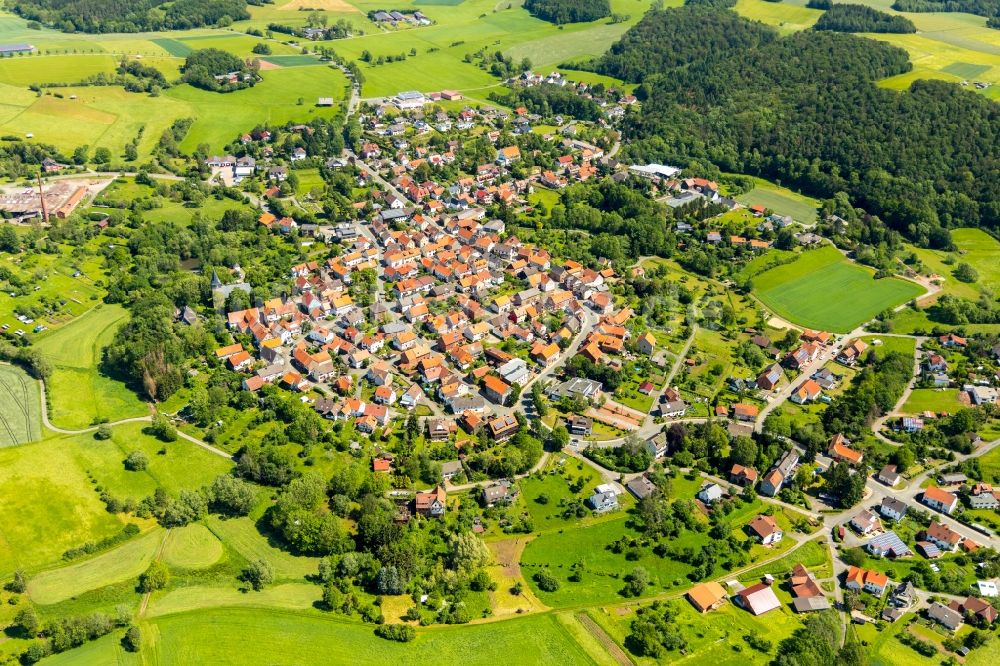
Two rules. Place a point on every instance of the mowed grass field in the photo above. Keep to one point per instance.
(823, 290)
(115, 566)
(231, 636)
(20, 412)
(51, 500)
(48, 506)
(932, 400)
(79, 394)
(781, 200)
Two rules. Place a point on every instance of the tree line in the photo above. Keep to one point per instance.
(102, 16)
(568, 11)
(862, 18)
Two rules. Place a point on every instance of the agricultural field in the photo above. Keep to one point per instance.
(114, 566)
(220, 637)
(781, 200)
(823, 290)
(79, 393)
(50, 488)
(20, 413)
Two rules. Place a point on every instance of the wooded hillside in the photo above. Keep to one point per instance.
(861, 18)
(805, 110)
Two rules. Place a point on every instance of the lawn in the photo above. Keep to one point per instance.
(79, 393)
(115, 566)
(781, 200)
(713, 638)
(890, 343)
(823, 290)
(221, 637)
(932, 400)
(20, 414)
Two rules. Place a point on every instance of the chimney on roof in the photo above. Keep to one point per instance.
(41, 197)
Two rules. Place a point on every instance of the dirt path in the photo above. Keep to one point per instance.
(156, 558)
(602, 637)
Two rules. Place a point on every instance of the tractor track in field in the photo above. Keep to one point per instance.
(602, 637)
(22, 403)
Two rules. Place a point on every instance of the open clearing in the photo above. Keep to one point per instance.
(823, 290)
(20, 415)
(932, 400)
(287, 596)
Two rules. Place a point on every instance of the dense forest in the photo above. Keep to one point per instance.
(805, 110)
(568, 11)
(665, 40)
(978, 7)
(101, 16)
(861, 18)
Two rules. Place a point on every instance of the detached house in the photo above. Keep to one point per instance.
(941, 500)
(864, 579)
(765, 530)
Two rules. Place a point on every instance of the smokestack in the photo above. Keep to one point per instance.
(41, 197)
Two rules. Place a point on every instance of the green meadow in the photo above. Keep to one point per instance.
(20, 413)
(49, 506)
(79, 393)
(51, 494)
(115, 566)
(932, 400)
(781, 200)
(223, 636)
(823, 290)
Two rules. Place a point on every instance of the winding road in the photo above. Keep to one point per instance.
(137, 419)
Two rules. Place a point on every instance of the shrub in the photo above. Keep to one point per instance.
(402, 633)
(546, 581)
(136, 461)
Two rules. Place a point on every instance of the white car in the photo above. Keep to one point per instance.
(19, 332)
